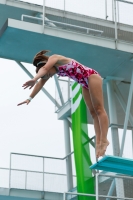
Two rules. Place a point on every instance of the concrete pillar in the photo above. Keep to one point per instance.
(68, 159)
(115, 137)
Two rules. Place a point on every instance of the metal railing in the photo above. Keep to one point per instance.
(25, 169)
(21, 177)
(106, 8)
(67, 5)
(84, 23)
(33, 180)
(97, 195)
(52, 23)
(66, 194)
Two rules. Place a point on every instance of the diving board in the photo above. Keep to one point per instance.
(114, 164)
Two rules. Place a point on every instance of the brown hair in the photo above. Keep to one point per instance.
(38, 58)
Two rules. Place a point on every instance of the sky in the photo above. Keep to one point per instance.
(19, 125)
(34, 129)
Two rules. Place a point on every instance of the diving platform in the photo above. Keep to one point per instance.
(114, 164)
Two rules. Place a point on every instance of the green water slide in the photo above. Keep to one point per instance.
(85, 180)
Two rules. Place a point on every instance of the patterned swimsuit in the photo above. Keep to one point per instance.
(77, 72)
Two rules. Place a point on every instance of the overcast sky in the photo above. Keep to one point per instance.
(25, 128)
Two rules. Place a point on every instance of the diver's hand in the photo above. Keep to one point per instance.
(29, 84)
(27, 101)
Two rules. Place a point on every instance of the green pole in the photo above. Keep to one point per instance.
(85, 180)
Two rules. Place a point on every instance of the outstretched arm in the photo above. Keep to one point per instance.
(44, 70)
(36, 89)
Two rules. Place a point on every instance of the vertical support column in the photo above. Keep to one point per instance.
(115, 137)
(68, 159)
(25, 180)
(59, 89)
(43, 174)
(113, 10)
(113, 117)
(106, 10)
(68, 88)
(122, 102)
(97, 189)
(129, 101)
(118, 11)
(64, 7)
(43, 193)
(64, 196)
(10, 175)
(43, 21)
(132, 141)
(115, 15)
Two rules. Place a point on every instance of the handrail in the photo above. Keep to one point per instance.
(56, 158)
(87, 29)
(97, 193)
(94, 195)
(22, 170)
(116, 176)
(129, 2)
(22, 17)
(120, 126)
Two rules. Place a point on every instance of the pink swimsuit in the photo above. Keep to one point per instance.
(77, 72)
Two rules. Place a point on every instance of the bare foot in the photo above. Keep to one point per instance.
(103, 147)
(98, 149)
